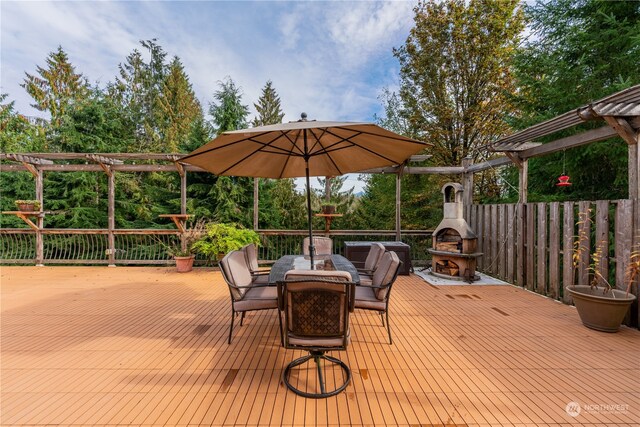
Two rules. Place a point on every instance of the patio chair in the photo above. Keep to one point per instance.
(260, 275)
(316, 319)
(322, 246)
(371, 262)
(376, 295)
(246, 295)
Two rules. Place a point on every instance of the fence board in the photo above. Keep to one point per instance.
(623, 245)
(510, 245)
(530, 245)
(486, 243)
(494, 239)
(479, 229)
(554, 250)
(568, 231)
(541, 258)
(502, 242)
(602, 238)
(520, 252)
(584, 233)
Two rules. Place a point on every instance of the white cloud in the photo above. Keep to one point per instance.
(329, 59)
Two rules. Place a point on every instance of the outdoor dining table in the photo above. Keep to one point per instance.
(300, 262)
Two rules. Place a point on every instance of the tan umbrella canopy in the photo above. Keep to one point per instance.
(303, 148)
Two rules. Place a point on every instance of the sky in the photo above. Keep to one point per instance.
(328, 59)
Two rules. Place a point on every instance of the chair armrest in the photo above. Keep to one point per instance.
(261, 273)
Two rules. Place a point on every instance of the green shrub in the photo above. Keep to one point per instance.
(223, 238)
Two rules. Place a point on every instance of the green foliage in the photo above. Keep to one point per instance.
(178, 108)
(579, 51)
(455, 76)
(138, 89)
(17, 134)
(268, 107)
(227, 109)
(55, 87)
(221, 238)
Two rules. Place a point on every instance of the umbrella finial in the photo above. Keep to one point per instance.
(303, 117)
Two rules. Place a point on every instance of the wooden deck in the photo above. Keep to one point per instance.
(146, 346)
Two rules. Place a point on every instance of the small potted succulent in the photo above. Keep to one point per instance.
(28, 205)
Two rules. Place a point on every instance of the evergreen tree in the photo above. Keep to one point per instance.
(579, 51)
(55, 87)
(227, 110)
(344, 200)
(268, 107)
(178, 108)
(138, 88)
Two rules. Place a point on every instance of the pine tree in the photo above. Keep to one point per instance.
(138, 88)
(268, 107)
(227, 110)
(178, 108)
(55, 87)
(579, 51)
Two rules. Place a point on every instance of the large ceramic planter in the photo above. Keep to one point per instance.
(184, 264)
(600, 311)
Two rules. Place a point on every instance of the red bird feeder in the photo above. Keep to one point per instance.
(563, 181)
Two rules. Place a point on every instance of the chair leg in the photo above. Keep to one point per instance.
(389, 328)
(280, 325)
(382, 318)
(317, 356)
(242, 318)
(233, 314)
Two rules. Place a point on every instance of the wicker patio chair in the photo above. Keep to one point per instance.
(375, 296)
(316, 320)
(322, 245)
(246, 294)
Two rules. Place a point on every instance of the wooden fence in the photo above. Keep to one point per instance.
(532, 244)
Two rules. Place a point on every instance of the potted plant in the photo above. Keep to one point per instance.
(328, 208)
(220, 239)
(603, 308)
(28, 205)
(184, 250)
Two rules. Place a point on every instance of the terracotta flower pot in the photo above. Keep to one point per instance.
(184, 264)
(26, 207)
(598, 310)
(328, 209)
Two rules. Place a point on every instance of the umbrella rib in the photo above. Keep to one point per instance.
(324, 149)
(293, 145)
(402, 138)
(208, 150)
(366, 149)
(263, 145)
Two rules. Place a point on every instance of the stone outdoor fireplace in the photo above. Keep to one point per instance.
(454, 243)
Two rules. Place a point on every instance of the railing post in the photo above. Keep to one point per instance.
(111, 224)
(39, 197)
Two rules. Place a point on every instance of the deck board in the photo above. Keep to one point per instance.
(147, 346)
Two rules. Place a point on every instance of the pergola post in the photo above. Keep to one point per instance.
(39, 197)
(256, 195)
(111, 225)
(467, 183)
(398, 212)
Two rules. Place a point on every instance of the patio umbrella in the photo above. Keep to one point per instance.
(303, 149)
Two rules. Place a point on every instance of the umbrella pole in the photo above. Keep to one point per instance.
(312, 248)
